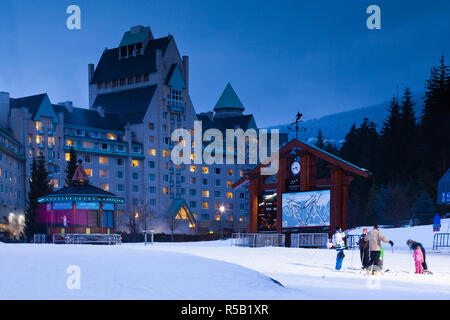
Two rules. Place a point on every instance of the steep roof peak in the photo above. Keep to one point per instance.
(229, 100)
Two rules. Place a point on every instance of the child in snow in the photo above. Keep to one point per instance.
(418, 259)
(339, 244)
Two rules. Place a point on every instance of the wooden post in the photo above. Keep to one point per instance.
(281, 187)
(253, 204)
(336, 197)
(100, 213)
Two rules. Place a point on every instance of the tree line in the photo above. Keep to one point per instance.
(406, 157)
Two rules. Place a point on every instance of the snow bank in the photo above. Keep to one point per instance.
(35, 271)
(423, 234)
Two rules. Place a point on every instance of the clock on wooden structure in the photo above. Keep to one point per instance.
(295, 168)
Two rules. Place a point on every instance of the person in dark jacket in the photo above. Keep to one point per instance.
(364, 249)
(414, 245)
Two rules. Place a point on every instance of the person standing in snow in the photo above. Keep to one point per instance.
(364, 249)
(339, 244)
(375, 237)
(436, 223)
(414, 245)
(418, 259)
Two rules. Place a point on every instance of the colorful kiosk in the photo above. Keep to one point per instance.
(299, 198)
(79, 208)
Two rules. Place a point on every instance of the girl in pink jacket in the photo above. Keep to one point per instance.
(418, 258)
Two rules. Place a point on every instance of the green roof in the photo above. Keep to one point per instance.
(229, 100)
(130, 38)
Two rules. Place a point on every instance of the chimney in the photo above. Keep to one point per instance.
(68, 105)
(186, 71)
(90, 72)
(101, 111)
(4, 109)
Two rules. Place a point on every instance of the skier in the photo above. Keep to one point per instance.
(436, 223)
(414, 245)
(418, 259)
(375, 237)
(339, 244)
(364, 249)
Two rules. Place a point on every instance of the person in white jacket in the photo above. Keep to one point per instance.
(339, 244)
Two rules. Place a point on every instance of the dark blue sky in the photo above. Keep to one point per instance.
(281, 57)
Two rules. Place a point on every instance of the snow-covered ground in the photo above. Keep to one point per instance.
(217, 270)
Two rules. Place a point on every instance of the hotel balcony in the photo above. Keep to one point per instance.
(177, 107)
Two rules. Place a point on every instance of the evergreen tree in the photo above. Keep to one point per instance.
(320, 143)
(423, 208)
(408, 147)
(435, 128)
(391, 138)
(39, 185)
(71, 166)
(391, 205)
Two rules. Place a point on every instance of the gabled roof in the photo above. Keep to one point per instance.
(130, 105)
(175, 79)
(31, 102)
(111, 68)
(344, 165)
(445, 177)
(229, 100)
(175, 207)
(38, 105)
(244, 122)
(90, 118)
(131, 37)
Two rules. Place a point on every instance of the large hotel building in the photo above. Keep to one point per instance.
(138, 94)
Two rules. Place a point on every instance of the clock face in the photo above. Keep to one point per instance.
(295, 167)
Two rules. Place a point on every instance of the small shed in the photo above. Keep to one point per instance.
(444, 189)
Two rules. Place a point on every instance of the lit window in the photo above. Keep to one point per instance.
(205, 170)
(152, 152)
(229, 183)
(192, 156)
(103, 160)
(51, 141)
(165, 190)
(205, 205)
(69, 143)
(88, 172)
(87, 144)
(39, 126)
(38, 139)
(193, 168)
(230, 172)
(55, 183)
(105, 186)
(103, 173)
(112, 136)
(165, 153)
(67, 156)
(135, 163)
(230, 195)
(205, 193)
(241, 173)
(217, 217)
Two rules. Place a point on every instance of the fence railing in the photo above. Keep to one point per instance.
(309, 240)
(352, 240)
(258, 239)
(39, 238)
(71, 238)
(441, 240)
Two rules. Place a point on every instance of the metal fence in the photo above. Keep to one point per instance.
(258, 239)
(309, 240)
(352, 241)
(39, 238)
(441, 240)
(70, 238)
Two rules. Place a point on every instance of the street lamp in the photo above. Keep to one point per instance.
(222, 210)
